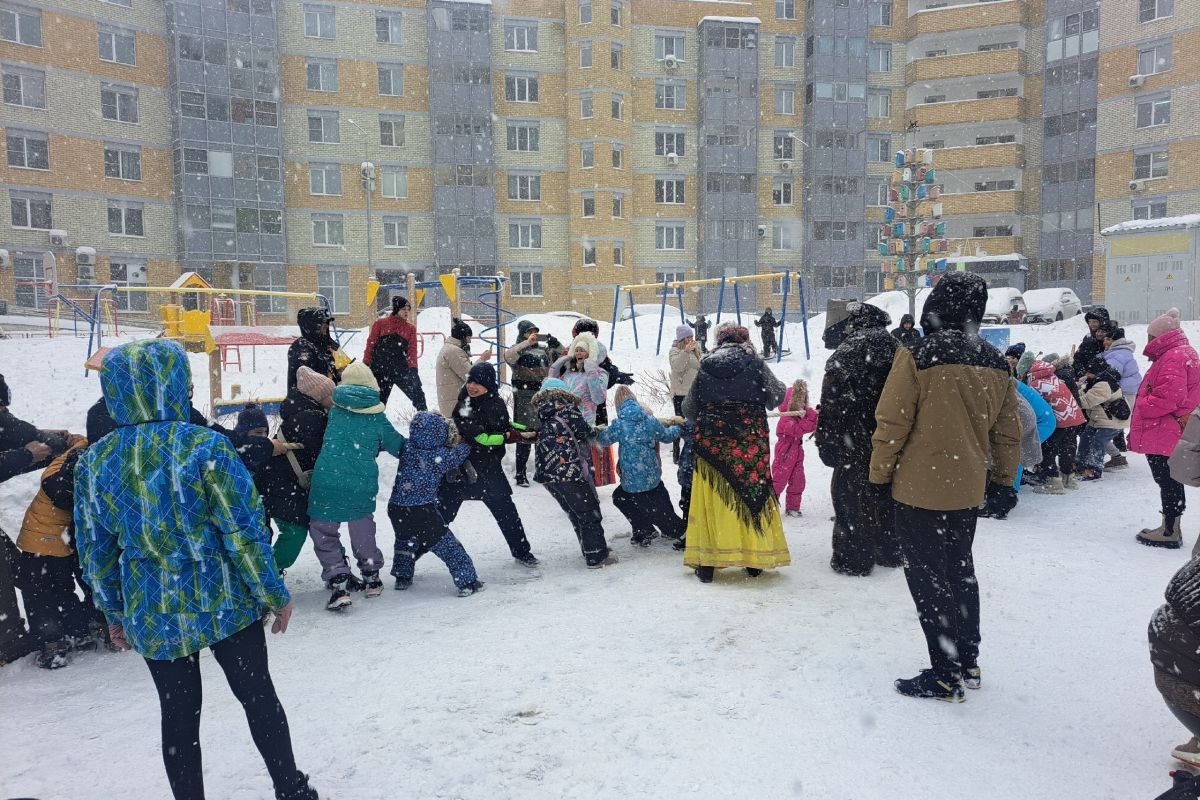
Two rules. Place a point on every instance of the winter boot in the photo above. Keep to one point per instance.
(705, 574)
(1052, 486)
(1117, 462)
(932, 686)
(795, 513)
(522, 481)
(354, 583)
(1069, 482)
(301, 791)
(54, 655)
(642, 538)
(527, 560)
(1168, 534)
(402, 584)
(753, 572)
(341, 594)
(374, 586)
(608, 561)
(1188, 753)
(470, 589)
(972, 677)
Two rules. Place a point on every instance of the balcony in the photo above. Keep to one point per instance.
(1003, 202)
(966, 65)
(991, 245)
(994, 109)
(980, 157)
(967, 17)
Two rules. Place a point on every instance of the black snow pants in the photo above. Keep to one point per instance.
(47, 587)
(407, 381)
(863, 532)
(1170, 490)
(649, 510)
(15, 640)
(582, 506)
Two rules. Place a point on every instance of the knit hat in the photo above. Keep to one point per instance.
(586, 326)
(1016, 351)
(485, 375)
(683, 332)
(460, 330)
(313, 384)
(399, 302)
(554, 383)
(1027, 359)
(588, 342)
(524, 327)
(1163, 323)
(251, 417)
(359, 374)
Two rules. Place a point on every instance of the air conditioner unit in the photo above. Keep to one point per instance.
(672, 159)
(1136, 80)
(670, 62)
(4, 258)
(749, 40)
(785, 166)
(85, 256)
(85, 273)
(1137, 186)
(58, 238)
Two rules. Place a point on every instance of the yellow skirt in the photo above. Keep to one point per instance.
(717, 538)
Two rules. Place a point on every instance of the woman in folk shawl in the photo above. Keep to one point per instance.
(734, 516)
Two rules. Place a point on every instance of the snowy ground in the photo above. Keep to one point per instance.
(637, 681)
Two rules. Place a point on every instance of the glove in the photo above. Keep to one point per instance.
(555, 344)
(624, 378)
(490, 439)
(1001, 500)
(880, 491)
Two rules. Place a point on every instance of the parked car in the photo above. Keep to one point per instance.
(1005, 306)
(1051, 305)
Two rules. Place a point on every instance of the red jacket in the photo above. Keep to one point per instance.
(1067, 413)
(392, 325)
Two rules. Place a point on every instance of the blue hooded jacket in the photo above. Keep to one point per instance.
(425, 461)
(638, 433)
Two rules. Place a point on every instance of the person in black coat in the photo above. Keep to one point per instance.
(863, 531)
(908, 333)
(482, 419)
(615, 376)
(1175, 653)
(701, 326)
(1093, 343)
(314, 349)
(767, 323)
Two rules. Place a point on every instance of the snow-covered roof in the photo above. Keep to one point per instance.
(476, 2)
(751, 20)
(977, 259)
(957, 5)
(1135, 225)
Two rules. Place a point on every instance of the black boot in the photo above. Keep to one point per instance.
(753, 572)
(300, 791)
(705, 574)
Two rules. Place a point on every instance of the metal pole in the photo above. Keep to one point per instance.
(804, 318)
(787, 283)
(737, 303)
(612, 333)
(679, 297)
(662, 315)
(633, 318)
(720, 301)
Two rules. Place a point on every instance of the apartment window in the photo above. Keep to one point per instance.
(333, 283)
(220, 163)
(879, 104)
(785, 145)
(521, 88)
(618, 253)
(995, 186)
(781, 237)
(1153, 111)
(835, 231)
(323, 127)
(785, 51)
(585, 55)
(614, 13)
(836, 140)
(123, 162)
(21, 25)
(589, 203)
(879, 14)
(1150, 10)
(785, 9)
(1154, 59)
(520, 37)
(987, 94)
(395, 232)
(393, 181)
(267, 278)
(391, 131)
(388, 28)
(218, 108)
(325, 179)
(585, 12)
(667, 142)
(525, 282)
(589, 253)
(1150, 165)
(27, 149)
(587, 155)
(985, 48)
(328, 231)
(129, 273)
(990, 231)
(781, 192)
(118, 103)
(391, 79)
(523, 136)
(668, 236)
(879, 58)
(24, 87)
(668, 44)
(934, 144)
(785, 98)
(266, 113)
(249, 221)
(1004, 138)
(116, 45)
(525, 235)
(880, 196)
(195, 161)
(668, 190)
(618, 106)
(669, 94)
(524, 187)
(586, 107)
(31, 210)
(618, 205)
(1151, 209)
(879, 149)
(321, 76)
(615, 52)
(320, 22)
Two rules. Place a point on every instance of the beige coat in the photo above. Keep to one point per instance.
(1093, 402)
(453, 364)
(685, 366)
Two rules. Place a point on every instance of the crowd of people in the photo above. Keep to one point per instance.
(153, 532)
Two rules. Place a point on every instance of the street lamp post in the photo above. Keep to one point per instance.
(367, 170)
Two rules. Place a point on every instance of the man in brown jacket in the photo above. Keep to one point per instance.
(947, 407)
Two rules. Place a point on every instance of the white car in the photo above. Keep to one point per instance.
(1005, 306)
(1051, 305)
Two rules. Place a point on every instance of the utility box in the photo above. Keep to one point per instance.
(1151, 267)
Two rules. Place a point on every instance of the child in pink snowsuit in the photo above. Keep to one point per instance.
(788, 469)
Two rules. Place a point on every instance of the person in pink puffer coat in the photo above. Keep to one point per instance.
(1168, 394)
(798, 420)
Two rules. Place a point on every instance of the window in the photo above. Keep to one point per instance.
(1154, 59)
(879, 104)
(614, 55)
(391, 131)
(391, 79)
(879, 149)
(21, 25)
(1150, 165)
(585, 55)
(267, 278)
(220, 163)
(667, 142)
(320, 22)
(521, 88)
(123, 162)
(669, 94)
(785, 51)
(585, 12)
(987, 94)
(241, 109)
(589, 203)
(333, 283)
(524, 187)
(323, 127)
(618, 205)
(393, 181)
(836, 140)
(1154, 111)
(321, 76)
(879, 58)
(781, 237)
(668, 44)
(27, 149)
(880, 196)
(785, 145)
(618, 156)
(218, 108)
(618, 251)
(31, 210)
(117, 45)
(614, 13)
(668, 236)
(249, 221)
(195, 161)
(985, 48)
(118, 103)
(781, 192)
(523, 137)
(525, 282)
(325, 179)
(879, 14)
(668, 190)
(525, 235)
(130, 273)
(328, 231)
(987, 231)
(520, 37)
(618, 106)
(587, 155)
(995, 186)
(1150, 10)
(24, 87)
(785, 98)
(395, 231)
(589, 253)
(1004, 138)
(586, 108)
(785, 9)
(388, 28)
(191, 48)
(1151, 209)
(266, 113)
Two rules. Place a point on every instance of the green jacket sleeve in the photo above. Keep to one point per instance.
(390, 439)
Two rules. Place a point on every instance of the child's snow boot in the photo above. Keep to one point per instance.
(402, 584)
(1068, 481)
(1188, 753)
(374, 586)
(608, 561)
(972, 677)
(642, 538)
(795, 513)
(1117, 462)
(470, 589)
(1168, 534)
(932, 686)
(1052, 486)
(341, 594)
(527, 560)
(301, 791)
(54, 655)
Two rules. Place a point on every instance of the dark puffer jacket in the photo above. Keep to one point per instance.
(14, 435)
(304, 421)
(313, 349)
(854, 378)
(483, 423)
(1175, 640)
(733, 372)
(563, 432)
(1090, 347)
(907, 336)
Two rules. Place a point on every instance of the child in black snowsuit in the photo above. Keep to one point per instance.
(413, 506)
(563, 466)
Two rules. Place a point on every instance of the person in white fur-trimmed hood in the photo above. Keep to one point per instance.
(580, 370)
